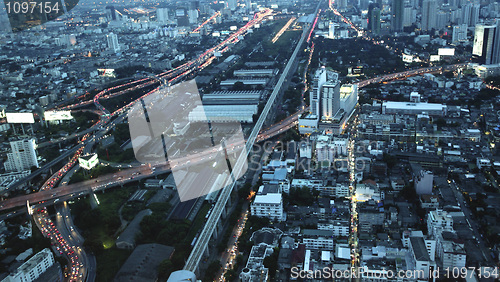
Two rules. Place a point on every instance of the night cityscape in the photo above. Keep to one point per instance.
(249, 140)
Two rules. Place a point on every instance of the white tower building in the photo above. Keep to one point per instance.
(113, 42)
(162, 15)
(315, 94)
(330, 99)
(23, 155)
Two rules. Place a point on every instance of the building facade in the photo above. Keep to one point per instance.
(486, 48)
(33, 268)
(23, 155)
(269, 205)
(113, 44)
(423, 182)
(429, 13)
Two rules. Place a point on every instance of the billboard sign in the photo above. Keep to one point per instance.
(407, 58)
(57, 115)
(435, 58)
(446, 51)
(107, 72)
(88, 162)
(20, 118)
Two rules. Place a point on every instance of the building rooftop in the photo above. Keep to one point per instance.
(268, 199)
(142, 264)
(128, 235)
(316, 232)
(419, 249)
(88, 157)
(414, 106)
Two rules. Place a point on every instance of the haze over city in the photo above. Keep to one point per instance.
(244, 140)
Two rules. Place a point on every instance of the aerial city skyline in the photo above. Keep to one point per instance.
(244, 140)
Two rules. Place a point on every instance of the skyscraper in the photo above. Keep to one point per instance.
(410, 16)
(315, 93)
(459, 33)
(23, 155)
(466, 14)
(470, 14)
(398, 13)
(428, 14)
(474, 14)
(348, 97)
(442, 19)
(162, 15)
(193, 16)
(374, 19)
(486, 49)
(330, 99)
(496, 46)
(341, 4)
(113, 42)
(231, 5)
(4, 20)
(331, 30)
(111, 13)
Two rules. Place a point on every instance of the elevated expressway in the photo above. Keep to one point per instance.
(201, 244)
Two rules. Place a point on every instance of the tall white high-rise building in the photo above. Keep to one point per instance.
(330, 99)
(429, 11)
(348, 97)
(231, 5)
(315, 93)
(193, 16)
(113, 42)
(459, 33)
(248, 5)
(486, 49)
(162, 15)
(442, 19)
(4, 21)
(331, 30)
(470, 14)
(409, 17)
(23, 155)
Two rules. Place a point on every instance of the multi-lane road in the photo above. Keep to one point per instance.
(208, 230)
(408, 73)
(473, 225)
(50, 195)
(270, 132)
(61, 237)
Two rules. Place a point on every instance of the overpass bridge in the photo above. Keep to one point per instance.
(272, 131)
(201, 245)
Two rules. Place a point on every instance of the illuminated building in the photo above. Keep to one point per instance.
(23, 155)
(486, 49)
(113, 42)
(428, 15)
(88, 162)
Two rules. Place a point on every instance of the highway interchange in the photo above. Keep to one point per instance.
(48, 194)
(63, 235)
